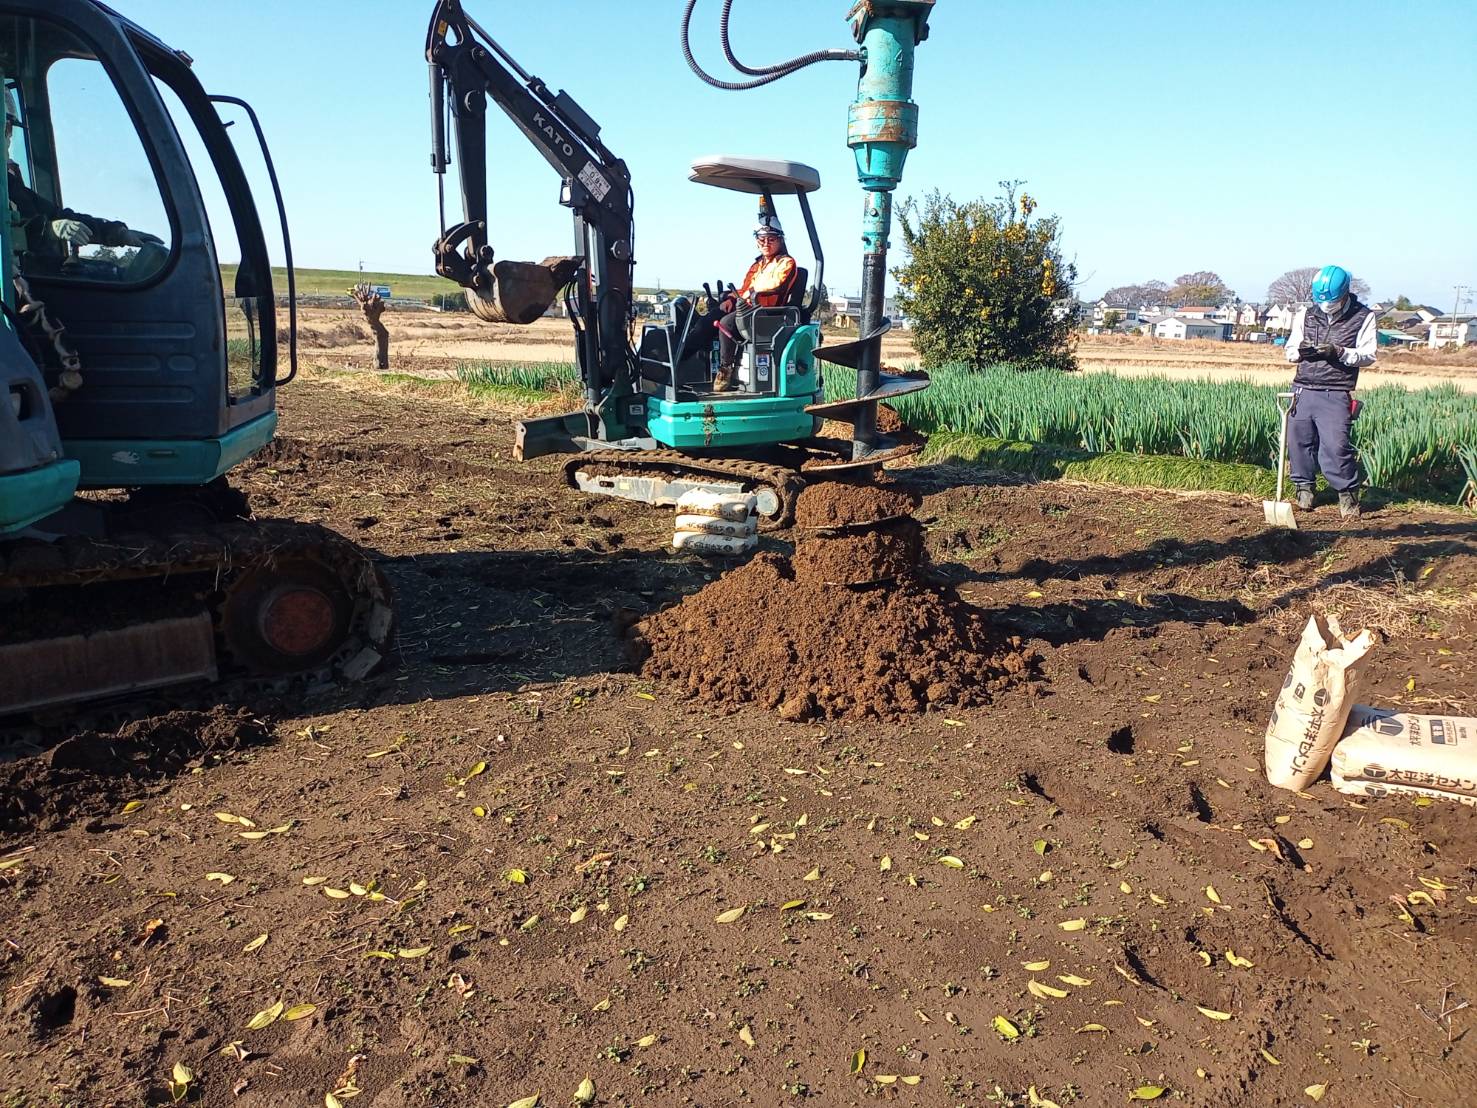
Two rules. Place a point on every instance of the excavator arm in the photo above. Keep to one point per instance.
(469, 71)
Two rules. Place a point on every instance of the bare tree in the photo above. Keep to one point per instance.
(1132, 296)
(1296, 286)
(373, 306)
(1203, 286)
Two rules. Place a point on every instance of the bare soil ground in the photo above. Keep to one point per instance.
(426, 342)
(509, 862)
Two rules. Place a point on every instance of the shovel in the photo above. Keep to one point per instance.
(1279, 511)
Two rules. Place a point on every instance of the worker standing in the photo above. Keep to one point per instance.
(1331, 341)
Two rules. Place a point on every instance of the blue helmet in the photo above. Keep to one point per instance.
(1330, 284)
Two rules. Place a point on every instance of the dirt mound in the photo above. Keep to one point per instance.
(89, 773)
(817, 637)
(835, 504)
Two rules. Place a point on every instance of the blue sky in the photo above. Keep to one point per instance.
(1248, 139)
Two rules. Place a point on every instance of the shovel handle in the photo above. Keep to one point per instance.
(1286, 410)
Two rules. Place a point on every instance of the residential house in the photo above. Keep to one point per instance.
(1280, 316)
(1190, 327)
(1125, 314)
(1452, 330)
(1248, 315)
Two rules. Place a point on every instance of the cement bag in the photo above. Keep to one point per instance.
(1399, 749)
(734, 506)
(1314, 703)
(712, 525)
(1375, 790)
(694, 542)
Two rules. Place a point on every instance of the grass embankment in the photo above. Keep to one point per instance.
(1146, 432)
(336, 282)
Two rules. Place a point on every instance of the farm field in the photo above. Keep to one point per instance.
(428, 342)
(500, 867)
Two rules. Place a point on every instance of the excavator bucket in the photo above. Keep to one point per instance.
(522, 291)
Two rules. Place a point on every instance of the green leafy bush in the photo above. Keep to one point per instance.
(982, 280)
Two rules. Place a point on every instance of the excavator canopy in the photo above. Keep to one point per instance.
(755, 175)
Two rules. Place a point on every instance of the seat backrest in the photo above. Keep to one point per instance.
(798, 289)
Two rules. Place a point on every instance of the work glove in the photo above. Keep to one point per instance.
(72, 230)
(1330, 350)
(1307, 351)
(138, 238)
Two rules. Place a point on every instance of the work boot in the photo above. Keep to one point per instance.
(1305, 500)
(723, 380)
(1349, 504)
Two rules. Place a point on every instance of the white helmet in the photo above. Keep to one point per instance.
(768, 225)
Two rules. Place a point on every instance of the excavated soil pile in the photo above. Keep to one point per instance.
(845, 629)
(94, 773)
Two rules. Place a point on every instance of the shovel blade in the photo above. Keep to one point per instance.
(1279, 514)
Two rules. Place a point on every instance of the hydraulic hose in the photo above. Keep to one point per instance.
(763, 75)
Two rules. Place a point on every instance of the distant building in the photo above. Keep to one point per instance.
(1452, 330)
(1190, 327)
(1280, 316)
(1248, 315)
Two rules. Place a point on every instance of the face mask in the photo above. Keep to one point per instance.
(1332, 307)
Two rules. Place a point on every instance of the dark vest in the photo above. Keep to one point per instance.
(1324, 373)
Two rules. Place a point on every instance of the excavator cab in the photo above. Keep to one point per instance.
(154, 373)
(777, 374)
(128, 363)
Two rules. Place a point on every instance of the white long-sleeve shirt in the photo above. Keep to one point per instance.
(1361, 354)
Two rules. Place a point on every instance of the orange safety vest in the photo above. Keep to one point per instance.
(768, 283)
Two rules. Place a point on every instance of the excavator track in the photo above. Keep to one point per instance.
(783, 482)
(250, 604)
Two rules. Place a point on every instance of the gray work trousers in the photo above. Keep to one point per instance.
(1318, 439)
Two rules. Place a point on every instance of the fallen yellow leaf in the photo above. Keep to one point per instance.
(747, 1035)
(1147, 1092)
(223, 878)
(1073, 980)
(951, 861)
(131, 807)
(299, 1012)
(413, 952)
(255, 944)
(1006, 1029)
(1072, 924)
(1315, 1092)
(116, 982)
(730, 916)
(858, 1061)
(1211, 1013)
(264, 1018)
(1037, 967)
(1035, 988)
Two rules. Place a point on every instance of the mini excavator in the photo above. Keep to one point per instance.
(653, 426)
(126, 366)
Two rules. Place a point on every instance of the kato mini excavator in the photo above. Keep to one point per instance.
(653, 426)
(125, 365)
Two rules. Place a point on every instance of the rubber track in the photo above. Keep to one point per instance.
(224, 550)
(785, 482)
